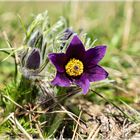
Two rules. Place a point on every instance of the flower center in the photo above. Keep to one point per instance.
(74, 67)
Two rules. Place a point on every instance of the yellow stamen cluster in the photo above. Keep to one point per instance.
(74, 67)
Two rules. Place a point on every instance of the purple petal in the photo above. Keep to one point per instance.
(67, 34)
(94, 55)
(96, 73)
(83, 82)
(33, 60)
(59, 60)
(75, 49)
(61, 80)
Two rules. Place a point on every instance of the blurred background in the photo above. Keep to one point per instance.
(115, 24)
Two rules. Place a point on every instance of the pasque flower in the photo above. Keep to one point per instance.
(30, 63)
(33, 57)
(78, 66)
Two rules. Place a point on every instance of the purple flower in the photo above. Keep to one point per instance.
(67, 34)
(33, 60)
(30, 63)
(78, 66)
